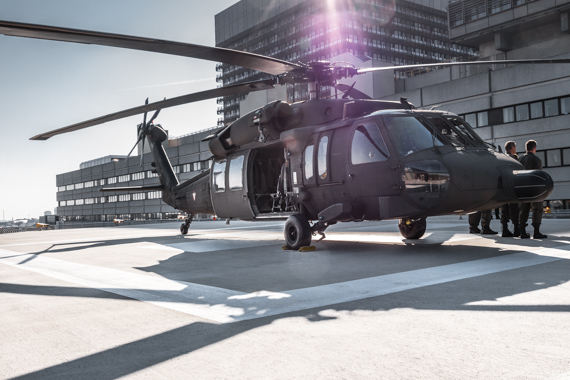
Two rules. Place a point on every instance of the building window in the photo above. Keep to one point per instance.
(508, 114)
(79, 186)
(112, 199)
(522, 112)
(154, 194)
(137, 176)
(112, 180)
(553, 158)
(124, 178)
(551, 107)
(536, 110)
(565, 105)
(482, 119)
(124, 197)
(471, 119)
(566, 156)
(138, 196)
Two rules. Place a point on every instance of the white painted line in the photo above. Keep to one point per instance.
(201, 246)
(224, 306)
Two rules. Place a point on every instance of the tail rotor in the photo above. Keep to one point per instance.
(142, 130)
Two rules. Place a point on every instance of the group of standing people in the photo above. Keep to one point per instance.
(517, 212)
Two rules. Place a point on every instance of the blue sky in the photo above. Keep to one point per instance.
(47, 85)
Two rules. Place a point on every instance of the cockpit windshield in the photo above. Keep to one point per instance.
(411, 134)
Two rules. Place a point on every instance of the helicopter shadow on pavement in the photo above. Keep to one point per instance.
(464, 295)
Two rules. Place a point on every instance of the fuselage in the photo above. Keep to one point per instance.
(333, 164)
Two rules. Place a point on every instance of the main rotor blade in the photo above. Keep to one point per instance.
(253, 61)
(471, 63)
(351, 91)
(237, 89)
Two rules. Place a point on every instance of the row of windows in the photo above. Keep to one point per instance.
(520, 112)
(553, 157)
(113, 199)
(186, 168)
(112, 217)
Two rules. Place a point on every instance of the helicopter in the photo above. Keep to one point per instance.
(321, 161)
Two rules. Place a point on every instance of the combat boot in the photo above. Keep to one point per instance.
(537, 234)
(524, 235)
(506, 232)
(488, 231)
(517, 231)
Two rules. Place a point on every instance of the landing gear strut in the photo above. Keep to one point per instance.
(184, 227)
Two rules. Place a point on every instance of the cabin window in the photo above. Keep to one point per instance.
(236, 173)
(410, 135)
(368, 145)
(219, 176)
(322, 157)
(309, 162)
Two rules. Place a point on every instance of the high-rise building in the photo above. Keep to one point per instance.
(398, 32)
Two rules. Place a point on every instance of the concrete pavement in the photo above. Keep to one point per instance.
(227, 302)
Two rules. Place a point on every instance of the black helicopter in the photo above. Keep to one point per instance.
(321, 160)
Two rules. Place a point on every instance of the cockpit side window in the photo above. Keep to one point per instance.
(465, 130)
(447, 130)
(409, 134)
(368, 145)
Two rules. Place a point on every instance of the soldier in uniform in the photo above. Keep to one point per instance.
(530, 161)
(484, 217)
(510, 211)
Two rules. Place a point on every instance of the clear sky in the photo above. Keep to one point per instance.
(46, 85)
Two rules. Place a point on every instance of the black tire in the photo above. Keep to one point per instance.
(297, 232)
(183, 229)
(412, 229)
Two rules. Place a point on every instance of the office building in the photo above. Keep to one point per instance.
(397, 32)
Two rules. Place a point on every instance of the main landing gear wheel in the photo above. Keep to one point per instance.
(412, 229)
(184, 228)
(297, 232)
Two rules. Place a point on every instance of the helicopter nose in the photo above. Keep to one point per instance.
(533, 185)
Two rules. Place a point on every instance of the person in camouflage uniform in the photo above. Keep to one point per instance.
(484, 217)
(510, 211)
(530, 162)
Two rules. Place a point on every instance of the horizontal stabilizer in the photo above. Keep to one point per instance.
(133, 188)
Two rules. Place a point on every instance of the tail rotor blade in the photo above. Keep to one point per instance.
(144, 118)
(155, 115)
(142, 152)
